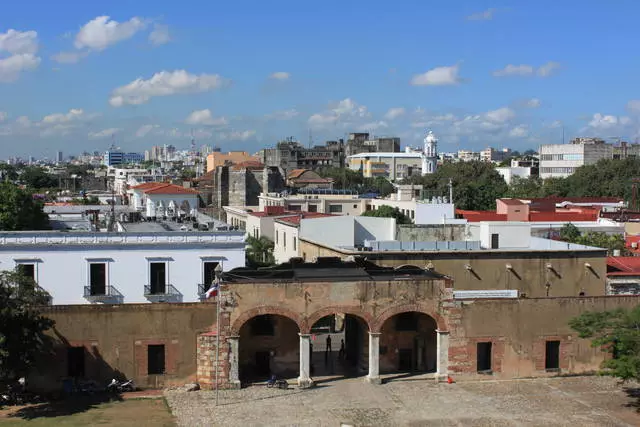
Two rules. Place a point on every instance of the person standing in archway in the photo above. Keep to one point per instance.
(328, 349)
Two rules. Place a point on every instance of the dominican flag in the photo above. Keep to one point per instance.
(213, 290)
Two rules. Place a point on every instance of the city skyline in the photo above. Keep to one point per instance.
(476, 73)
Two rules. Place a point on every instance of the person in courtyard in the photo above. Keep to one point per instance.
(341, 352)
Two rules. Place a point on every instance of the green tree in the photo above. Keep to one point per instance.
(259, 251)
(569, 233)
(530, 187)
(36, 177)
(611, 242)
(616, 332)
(386, 211)
(8, 172)
(22, 327)
(476, 185)
(19, 211)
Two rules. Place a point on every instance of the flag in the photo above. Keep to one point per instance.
(213, 290)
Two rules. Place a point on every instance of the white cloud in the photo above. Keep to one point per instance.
(283, 115)
(160, 35)
(525, 70)
(605, 122)
(22, 48)
(237, 135)
(18, 42)
(548, 69)
(11, 67)
(72, 115)
(394, 113)
(102, 32)
(105, 133)
(485, 15)
(633, 106)
(346, 111)
(204, 117)
(520, 131)
(501, 115)
(514, 70)
(3, 116)
(439, 76)
(533, 103)
(373, 126)
(555, 124)
(144, 130)
(68, 57)
(280, 75)
(164, 83)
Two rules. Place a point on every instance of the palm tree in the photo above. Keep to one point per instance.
(260, 251)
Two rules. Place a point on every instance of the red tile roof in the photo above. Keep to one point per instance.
(148, 185)
(477, 216)
(170, 189)
(295, 219)
(296, 173)
(535, 216)
(623, 264)
(596, 200)
(248, 164)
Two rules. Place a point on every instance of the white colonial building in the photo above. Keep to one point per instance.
(132, 267)
(163, 200)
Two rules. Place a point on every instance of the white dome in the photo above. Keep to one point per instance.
(430, 138)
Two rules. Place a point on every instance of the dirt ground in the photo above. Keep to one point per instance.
(90, 412)
(408, 401)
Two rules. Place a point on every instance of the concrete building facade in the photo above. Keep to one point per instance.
(116, 268)
(562, 160)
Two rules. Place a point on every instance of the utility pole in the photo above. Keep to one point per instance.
(450, 190)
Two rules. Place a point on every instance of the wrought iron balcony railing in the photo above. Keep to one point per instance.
(110, 295)
(166, 293)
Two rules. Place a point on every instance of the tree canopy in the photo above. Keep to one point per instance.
(22, 327)
(570, 233)
(476, 184)
(259, 251)
(36, 177)
(19, 211)
(386, 211)
(616, 332)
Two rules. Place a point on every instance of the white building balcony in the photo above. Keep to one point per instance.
(162, 293)
(106, 295)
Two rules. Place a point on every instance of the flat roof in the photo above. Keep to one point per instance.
(379, 154)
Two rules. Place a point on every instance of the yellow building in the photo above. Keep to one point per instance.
(232, 157)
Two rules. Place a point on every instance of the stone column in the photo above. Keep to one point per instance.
(304, 380)
(234, 355)
(442, 355)
(374, 358)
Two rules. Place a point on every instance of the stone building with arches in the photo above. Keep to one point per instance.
(276, 321)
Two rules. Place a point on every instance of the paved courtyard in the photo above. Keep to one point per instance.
(411, 401)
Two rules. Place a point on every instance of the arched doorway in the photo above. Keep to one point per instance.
(408, 343)
(268, 345)
(339, 343)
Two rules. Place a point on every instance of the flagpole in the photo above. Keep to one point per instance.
(218, 273)
(217, 339)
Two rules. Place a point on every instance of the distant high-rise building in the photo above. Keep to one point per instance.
(59, 157)
(117, 157)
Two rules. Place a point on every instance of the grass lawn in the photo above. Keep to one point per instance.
(84, 412)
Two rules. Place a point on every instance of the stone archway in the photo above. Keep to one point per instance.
(339, 341)
(434, 333)
(267, 309)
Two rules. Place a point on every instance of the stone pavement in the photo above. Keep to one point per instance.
(575, 401)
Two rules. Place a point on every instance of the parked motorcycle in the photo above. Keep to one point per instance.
(275, 382)
(116, 386)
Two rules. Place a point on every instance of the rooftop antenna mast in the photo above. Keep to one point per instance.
(193, 142)
(563, 134)
(310, 138)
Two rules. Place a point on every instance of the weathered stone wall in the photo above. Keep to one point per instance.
(567, 276)
(519, 330)
(431, 233)
(115, 338)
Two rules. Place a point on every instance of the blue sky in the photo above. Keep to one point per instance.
(244, 74)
